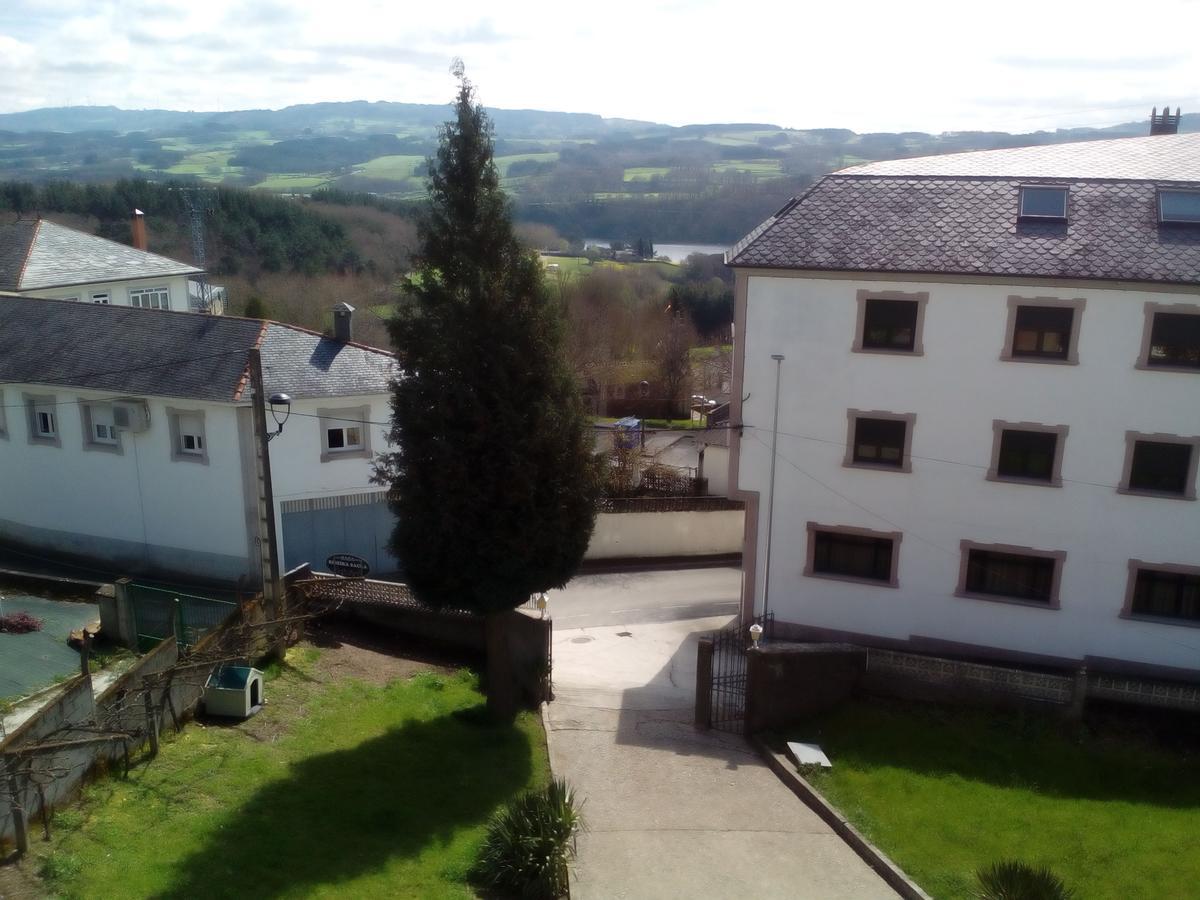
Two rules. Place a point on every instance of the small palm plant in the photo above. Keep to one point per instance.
(1011, 879)
(529, 843)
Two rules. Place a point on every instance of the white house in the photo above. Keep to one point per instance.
(40, 258)
(127, 444)
(980, 377)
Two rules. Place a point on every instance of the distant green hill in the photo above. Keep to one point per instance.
(584, 174)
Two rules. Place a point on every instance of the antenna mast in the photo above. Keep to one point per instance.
(198, 202)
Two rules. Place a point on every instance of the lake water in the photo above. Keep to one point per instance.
(675, 252)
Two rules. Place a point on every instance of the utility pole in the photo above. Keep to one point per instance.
(778, 357)
(268, 548)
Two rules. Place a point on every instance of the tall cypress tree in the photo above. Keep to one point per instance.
(493, 479)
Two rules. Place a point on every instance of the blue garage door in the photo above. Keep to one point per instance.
(361, 524)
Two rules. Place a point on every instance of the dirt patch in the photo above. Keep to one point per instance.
(348, 650)
(352, 650)
(17, 881)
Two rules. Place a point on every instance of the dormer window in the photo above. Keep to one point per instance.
(1179, 207)
(1043, 203)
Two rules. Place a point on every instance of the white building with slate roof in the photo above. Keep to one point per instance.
(127, 445)
(965, 412)
(40, 258)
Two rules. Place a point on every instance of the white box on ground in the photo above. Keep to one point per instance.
(808, 755)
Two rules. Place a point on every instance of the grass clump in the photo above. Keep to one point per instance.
(1011, 879)
(59, 866)
(530, 842)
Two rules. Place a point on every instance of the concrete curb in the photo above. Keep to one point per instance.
(544, 710)
(871, 855)
(658, 563)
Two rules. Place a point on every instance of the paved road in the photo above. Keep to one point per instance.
(633, 597)
(672, 811)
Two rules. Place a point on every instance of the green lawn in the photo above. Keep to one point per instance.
(946, 791)
(336, 789)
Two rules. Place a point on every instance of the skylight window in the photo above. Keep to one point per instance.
(1179, 207)
(1044, 203)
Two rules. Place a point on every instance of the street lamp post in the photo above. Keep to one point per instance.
(268, 541)
(778, 357)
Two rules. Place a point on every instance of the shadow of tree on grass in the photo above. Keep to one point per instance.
(348, 813)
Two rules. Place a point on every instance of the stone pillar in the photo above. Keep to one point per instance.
(1079, 693)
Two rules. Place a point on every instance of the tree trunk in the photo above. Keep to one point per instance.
(503, 692)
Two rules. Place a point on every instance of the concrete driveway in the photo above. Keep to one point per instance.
(672, 811)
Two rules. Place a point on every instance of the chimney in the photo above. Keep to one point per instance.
(343, 314)
(139, 229)
(1165, 123)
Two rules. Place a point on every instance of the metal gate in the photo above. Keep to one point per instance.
(727, 692)
(160, 612)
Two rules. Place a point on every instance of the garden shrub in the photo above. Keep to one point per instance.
(1012, 879)
(529, 843)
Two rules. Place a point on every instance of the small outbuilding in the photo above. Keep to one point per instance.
(233, 691)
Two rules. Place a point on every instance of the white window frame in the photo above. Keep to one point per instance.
(141, 297)
(37, 406)
(103, 298)
(176, 421)
(90, 411)
(343, 420)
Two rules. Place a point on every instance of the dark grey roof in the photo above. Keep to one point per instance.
(968, 225)
(15, 239)
(123, 349)
(1174, 157)
(175, 354)
(305, 364)
(37, 254)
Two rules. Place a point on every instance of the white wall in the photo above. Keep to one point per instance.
(649, 534)
(956, 390)
(118, 291)
(89, 499)
(716, 470)
(296, 467)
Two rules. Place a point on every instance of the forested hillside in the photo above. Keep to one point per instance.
(583, 174)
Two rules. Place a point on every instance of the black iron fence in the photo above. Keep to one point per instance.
(727, 682)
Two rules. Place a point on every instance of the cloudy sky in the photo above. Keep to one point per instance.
(870, 66)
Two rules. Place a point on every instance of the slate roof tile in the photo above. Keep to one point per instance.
(969, 225)
(144, 352)
(38, 253)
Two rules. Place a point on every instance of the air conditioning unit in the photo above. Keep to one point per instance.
(131, 414)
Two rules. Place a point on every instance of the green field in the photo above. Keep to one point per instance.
(204, 162)
(581, 265)
(760, 168)
(945, 791)
(398, 168)
(645, 173)
(286, 183)
(336, 789)
(504, 162)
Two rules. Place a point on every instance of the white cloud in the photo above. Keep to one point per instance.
(871, 66)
